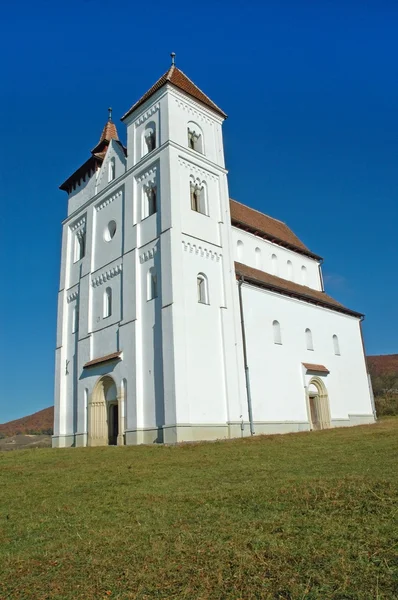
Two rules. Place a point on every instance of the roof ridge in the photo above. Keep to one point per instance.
(260, 213)
(201, 91)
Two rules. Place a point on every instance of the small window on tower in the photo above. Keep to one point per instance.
(202, 289)
(152, 284)
(111, 169)
(80, 245)
(150, 194)
(195, 138)
(149, 138)
(107, 303)
(198, 197)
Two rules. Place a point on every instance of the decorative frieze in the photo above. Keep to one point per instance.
(192, 111)
(106, 275)
(148, 254)
(202, 173)
(107, 201)
(148, 113)
(201, 251)
(80, 225)
(148, 175)
(72, 296)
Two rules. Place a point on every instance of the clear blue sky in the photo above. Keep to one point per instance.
(311, 90)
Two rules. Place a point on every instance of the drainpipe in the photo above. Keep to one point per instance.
(242, 322)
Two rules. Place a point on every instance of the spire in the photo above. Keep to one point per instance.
(179, 80)
(109, 132)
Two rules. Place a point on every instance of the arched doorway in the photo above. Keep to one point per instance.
(318, 404)
(103, 413)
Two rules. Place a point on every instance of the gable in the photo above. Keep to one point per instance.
(115, 151)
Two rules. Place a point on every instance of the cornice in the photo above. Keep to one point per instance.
(150, 174)
(198, 171)
(107, 201)
(79, 225)
(148, 113)
(148, 254)
(72, 296)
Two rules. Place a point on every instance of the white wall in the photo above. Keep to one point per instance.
(263, 260)
(276, 373)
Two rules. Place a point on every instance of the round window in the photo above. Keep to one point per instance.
(110, 231)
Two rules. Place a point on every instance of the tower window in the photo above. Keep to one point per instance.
(107, 311)
(152, 284)
(308, 339)
(257, 253)
(304, 275)
(149, 138)
(80, 245)
(110, 231)
(239, 250)
(150, 193)
(289, 270)
(111, 169)
(198, 198)
(336, 345)
(274, 262)
(202, 289)
(195, 138)
(75, 319)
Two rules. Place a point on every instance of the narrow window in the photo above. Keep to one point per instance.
(336, 345)
(304, 275)
(277, 332)
(195, 138)
(308, 339)
(274, 262)
(258, 258)
(75, 319)
(111, 169)
(150, 192)
(239, 250)
(107, 302)
(149, 138)
(289, 270)
(202, 289)
(198, 198)
(80, 245)
(152, 284)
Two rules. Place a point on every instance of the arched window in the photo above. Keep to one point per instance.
(75, 319)
(152, 284)
(289, 270)
(195, 138)
(239, 250)
(107, 302)
(277, 332)
(111, 169)
(149, 141)
(304, 275)
(150, 205)
(202, 289)
(336, 345)
(308, 339)
(257, 253)
(198, 197)
(80, 245)
(274, 262)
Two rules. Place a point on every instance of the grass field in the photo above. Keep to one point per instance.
(301, 516)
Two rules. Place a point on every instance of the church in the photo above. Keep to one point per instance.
(183, 314)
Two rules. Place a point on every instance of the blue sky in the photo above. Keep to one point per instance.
(311, 90)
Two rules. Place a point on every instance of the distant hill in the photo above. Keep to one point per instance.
(39, 422)
(383, 364)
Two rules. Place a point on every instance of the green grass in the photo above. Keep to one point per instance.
(302, 516)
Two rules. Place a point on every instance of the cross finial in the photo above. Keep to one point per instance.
(109, 114)
(173, 58)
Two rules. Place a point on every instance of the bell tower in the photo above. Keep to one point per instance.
(182, 218)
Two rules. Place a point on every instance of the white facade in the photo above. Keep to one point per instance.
(149, 335)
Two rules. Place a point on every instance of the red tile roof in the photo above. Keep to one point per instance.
(183, 83)
(289, 288)
(262, 225)
(102, 359)
(319, 368)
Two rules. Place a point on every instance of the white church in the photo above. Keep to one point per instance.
(184, 315)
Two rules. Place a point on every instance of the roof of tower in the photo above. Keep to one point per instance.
(275, 231)
(177, 78)
(109, 133)
(291, 289)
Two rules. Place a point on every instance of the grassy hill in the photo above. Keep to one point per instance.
(383, 371)
(40, 422)
(300, 516)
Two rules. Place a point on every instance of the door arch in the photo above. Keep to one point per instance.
(101, 413)
(318, 401)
